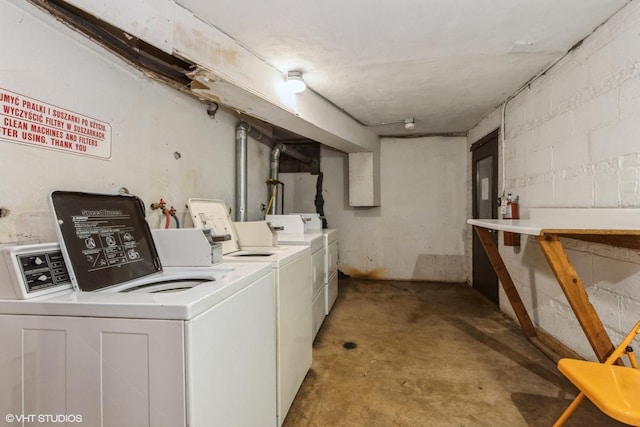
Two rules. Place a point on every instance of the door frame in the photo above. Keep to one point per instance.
(481, 149)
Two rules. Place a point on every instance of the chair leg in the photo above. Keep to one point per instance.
(567, 412)
(632, 357)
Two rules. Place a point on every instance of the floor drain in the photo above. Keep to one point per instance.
(349, 345)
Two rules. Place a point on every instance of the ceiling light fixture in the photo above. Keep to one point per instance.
(409, 123)
(294, 82)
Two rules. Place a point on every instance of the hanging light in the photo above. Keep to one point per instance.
(294, 82)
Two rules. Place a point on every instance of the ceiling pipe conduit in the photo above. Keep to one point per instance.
(244, 130)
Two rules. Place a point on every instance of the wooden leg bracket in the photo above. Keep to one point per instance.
(509, 288)
(576, 294)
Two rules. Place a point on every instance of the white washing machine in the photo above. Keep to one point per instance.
(292, 282)
(302, 223)
(290, 234)
(174, 347)
(331, 267)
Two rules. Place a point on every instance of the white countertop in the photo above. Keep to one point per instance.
(522, 226)
(569, 221)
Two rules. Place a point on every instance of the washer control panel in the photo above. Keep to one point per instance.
(28, 271)
(43, 270)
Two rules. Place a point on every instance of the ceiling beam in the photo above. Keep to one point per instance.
(230, 74)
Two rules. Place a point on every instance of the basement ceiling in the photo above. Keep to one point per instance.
(446, 63)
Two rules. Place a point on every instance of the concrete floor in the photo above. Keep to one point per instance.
(428, 354)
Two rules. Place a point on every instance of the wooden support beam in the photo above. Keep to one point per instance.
(491, 249)
(576, 294)
(625, 241)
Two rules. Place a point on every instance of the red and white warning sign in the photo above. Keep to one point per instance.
(28, 121)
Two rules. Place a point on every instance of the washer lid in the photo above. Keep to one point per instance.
(314, 240)
(214, 215)
(105, 239)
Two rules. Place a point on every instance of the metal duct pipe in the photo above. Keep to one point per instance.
(293, 153)
(275, 171)
(260, 137)
(241, 171)
(243, 131)
(275, 162)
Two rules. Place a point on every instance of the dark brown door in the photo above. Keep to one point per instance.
(484, 155)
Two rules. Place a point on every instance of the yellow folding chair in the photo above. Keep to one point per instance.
(614, 389)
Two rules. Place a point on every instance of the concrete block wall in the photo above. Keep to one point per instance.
(573, 140)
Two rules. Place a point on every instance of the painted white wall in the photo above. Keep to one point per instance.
(418, 232)
(150, 122)
(572, 141)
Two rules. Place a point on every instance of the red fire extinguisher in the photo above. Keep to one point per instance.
(511, 212)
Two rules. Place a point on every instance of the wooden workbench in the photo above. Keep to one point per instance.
(616, 227)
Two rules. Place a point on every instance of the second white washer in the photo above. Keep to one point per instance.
(315, 242)
(292, 279)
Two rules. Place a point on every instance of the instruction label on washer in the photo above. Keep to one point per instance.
(108, 239)
(32, 122)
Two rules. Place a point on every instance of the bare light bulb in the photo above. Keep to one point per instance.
(294, 82)
(409, 123)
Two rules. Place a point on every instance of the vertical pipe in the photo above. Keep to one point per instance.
(275, 172)
(241, 172)
(243, 131)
